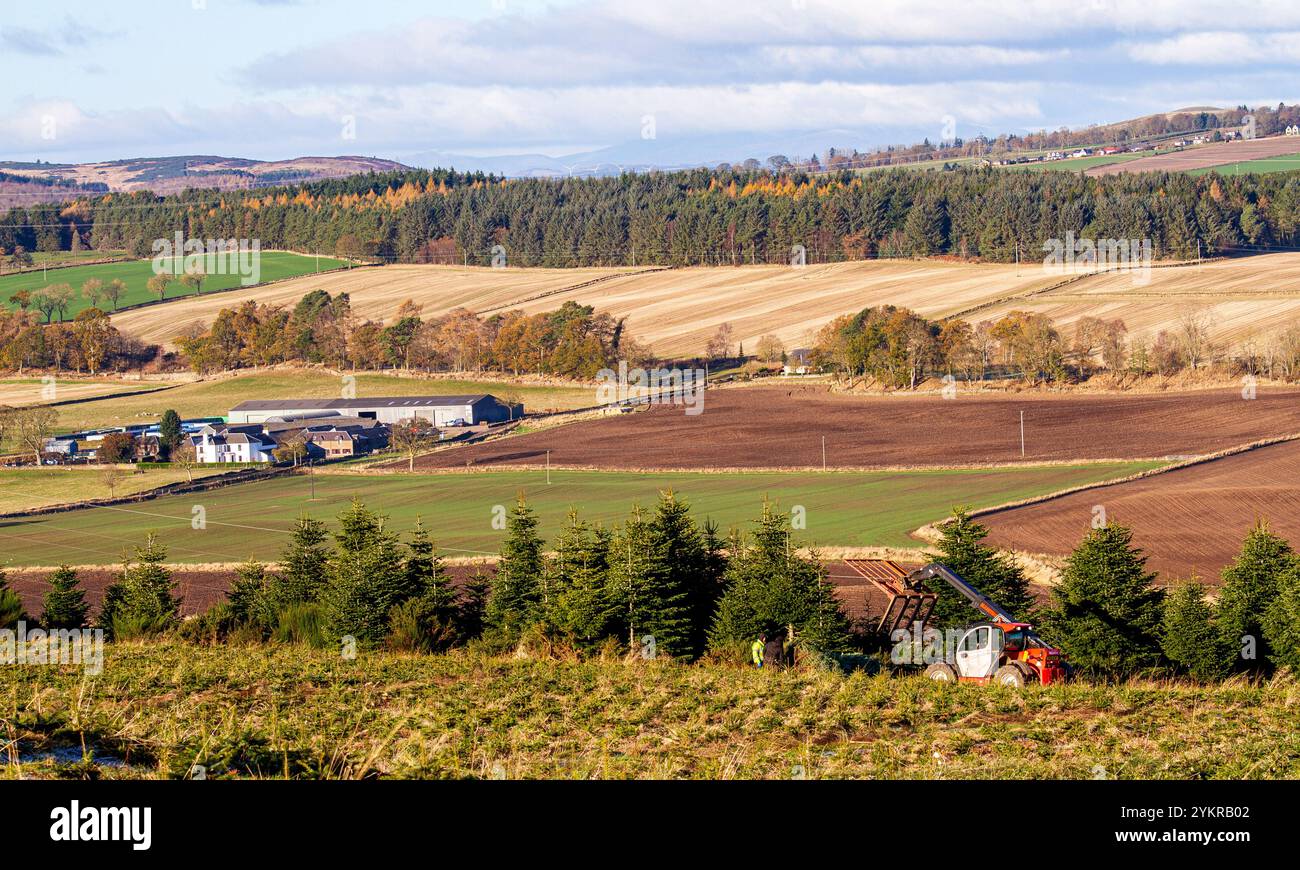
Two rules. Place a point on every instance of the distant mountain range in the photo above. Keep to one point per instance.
(639, 155)
(28, 183)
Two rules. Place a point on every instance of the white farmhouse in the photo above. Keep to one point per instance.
(243, 444)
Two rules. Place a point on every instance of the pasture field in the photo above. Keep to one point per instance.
(1074, 164)
(22, 489)
(1263, 166)
(781, 427)
(1191, 521)
(676, 311)
(158, 709)
(17, 391)
(243, 520)
(54, 259)
(215, 398)
(275, 266)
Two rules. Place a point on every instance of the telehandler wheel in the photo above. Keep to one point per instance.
(941, 672)
(1009, 675)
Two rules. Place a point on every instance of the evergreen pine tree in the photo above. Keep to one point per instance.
(650, 601)
(1282, 622)
(302, 576)
(424, 575)
(682, 561)
(471, 604)
(1106, 612)
(65, 600)
(926, 226)
(991, 572)
(247, 594)
(169, 432)
(517, 589)
(1250, 584)
(1190, 639)
(367, 578)
(579, 597)
(142, 599)
(768, 587)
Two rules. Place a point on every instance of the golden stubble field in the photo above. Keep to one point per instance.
(1237, 299)
(675, 310)
(678, 310)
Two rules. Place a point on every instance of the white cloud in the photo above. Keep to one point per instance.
(1220, 48)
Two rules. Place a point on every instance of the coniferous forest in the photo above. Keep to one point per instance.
(698, 217)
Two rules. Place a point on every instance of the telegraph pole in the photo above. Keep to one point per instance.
(1022, 434)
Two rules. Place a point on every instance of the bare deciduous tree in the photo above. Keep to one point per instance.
(411, 436)
(186, 457)
(31, 427)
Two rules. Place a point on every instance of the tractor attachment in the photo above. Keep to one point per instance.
(909, 602)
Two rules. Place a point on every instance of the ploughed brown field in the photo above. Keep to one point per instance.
(1204, 156)
(1189, 521)
(782, 427)
(197, 588)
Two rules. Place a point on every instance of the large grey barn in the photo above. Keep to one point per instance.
(439, 410)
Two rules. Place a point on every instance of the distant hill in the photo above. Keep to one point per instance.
(174, 174)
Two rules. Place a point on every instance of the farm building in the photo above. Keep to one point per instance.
(438, 410)
(331, 437)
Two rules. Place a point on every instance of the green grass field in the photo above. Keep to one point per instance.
(37, 391)
(841, 508)
(275, 266)
(215, 398)
(1077, 164)
(51, 259)
(159, 709)
(1284, 163)
(22, 489)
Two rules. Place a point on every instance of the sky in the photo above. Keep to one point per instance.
(676, 79)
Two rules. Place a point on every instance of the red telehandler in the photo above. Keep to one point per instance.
(999, 650)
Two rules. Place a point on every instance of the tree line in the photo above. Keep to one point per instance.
(1112, 619)
(698, 217)
(661, 584)
(572, 340)
(898, 348)
(88, 343)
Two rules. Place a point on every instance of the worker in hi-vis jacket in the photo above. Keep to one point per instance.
(756, 650)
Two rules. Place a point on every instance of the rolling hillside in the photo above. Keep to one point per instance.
(174, 174)
(675, 310)
(678, 310)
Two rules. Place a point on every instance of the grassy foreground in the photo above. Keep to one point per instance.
(158, 709)
(254, 519)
